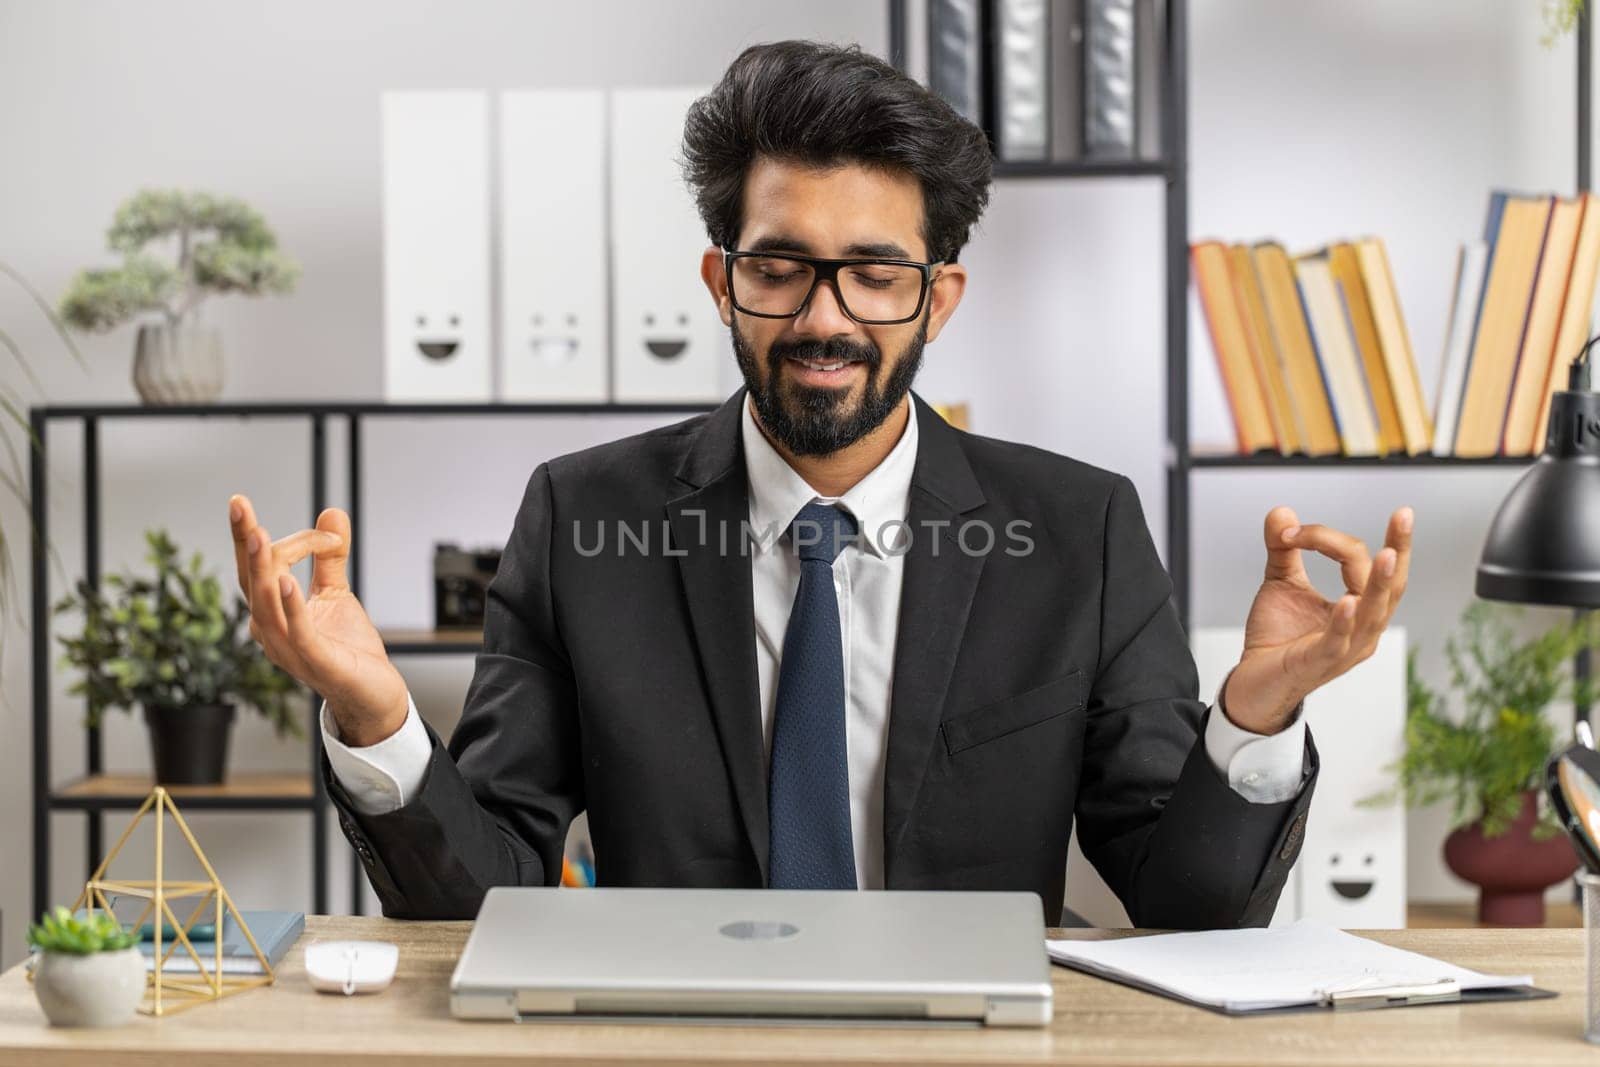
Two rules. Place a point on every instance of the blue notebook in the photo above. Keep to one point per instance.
(274, 931)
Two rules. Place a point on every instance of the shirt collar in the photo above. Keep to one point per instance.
(878, 501)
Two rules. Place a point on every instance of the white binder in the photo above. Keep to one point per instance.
(436, 246)
(553, 245)
(668, 342)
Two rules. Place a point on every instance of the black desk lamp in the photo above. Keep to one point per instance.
(1544, 544)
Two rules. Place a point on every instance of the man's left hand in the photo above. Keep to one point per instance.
(1295, 639)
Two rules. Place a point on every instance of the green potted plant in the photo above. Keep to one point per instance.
(89, 970)
(169, 645)
(1489, 761)
(222, 246)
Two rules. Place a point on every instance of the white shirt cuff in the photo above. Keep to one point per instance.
(380, 778)
(1262, 768)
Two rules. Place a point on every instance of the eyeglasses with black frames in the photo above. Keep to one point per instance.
(874, 292)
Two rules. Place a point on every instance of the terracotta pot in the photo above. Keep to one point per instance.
(1512, 870)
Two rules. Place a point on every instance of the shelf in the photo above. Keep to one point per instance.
(1274, 459)
(431, 642)
(357, 407)
(240, 791)
(1083, 168)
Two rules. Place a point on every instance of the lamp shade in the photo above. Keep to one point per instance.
(1544, 544)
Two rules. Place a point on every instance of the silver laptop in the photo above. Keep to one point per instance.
(753, 954)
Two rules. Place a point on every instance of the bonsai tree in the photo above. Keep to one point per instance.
(223, 246)
(169, 642)
(1485, 761)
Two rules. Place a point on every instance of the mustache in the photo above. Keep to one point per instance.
(829, 351)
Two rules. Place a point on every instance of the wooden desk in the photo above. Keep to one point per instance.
(1096, 1022)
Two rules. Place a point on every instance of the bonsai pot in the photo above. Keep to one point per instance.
(189, 744)
(97, 989)
(1512, 870)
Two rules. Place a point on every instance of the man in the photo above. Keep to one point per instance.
(818, 637)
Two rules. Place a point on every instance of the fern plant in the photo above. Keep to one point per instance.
(1486, 759)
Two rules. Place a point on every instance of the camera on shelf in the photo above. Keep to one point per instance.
(460, 584)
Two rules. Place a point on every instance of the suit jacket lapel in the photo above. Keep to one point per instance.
(707, 527)
(936, 594)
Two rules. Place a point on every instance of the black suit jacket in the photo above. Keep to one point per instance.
(1029, 689)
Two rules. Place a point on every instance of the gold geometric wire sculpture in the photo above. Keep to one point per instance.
(166, 993)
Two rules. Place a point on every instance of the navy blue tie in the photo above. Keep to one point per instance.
(808, 789)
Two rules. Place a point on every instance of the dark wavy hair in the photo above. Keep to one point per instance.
(824, 105)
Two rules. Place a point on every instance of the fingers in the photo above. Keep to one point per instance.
(1283, 559)
(1399, 536)
(302, 636)
(1349, 552)
(266, 605)
(328, 569)
(241, 520)
(1334, 644)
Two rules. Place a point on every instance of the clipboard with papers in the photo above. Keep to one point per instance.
(1306, 966)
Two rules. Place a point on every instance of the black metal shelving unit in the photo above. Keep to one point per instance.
(96, 793)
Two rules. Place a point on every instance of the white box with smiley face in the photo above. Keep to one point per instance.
(436, 246)
(1351, 872)
(553, 245)
(668, 342)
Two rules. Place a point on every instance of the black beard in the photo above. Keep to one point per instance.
(807, 419)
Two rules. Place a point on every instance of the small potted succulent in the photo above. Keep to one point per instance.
(1490, 760)
(219, 245)
(169, 645)
(89, 970)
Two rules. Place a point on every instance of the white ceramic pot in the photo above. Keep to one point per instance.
(100, 989)
(178, 364)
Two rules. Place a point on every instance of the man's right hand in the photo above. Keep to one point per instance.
(325, 640)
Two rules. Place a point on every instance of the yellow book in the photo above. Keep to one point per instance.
(1347, 273)
(1287, 318)
(1507, 294)
(1395, 341)
(1522, 435)
(1251, 424)
(1268, 363)
(1575, 311)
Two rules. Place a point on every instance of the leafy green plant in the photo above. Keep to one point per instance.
(1560, 18)
(170, 642)
(223, 246)
(1485, 760)
(62, 931)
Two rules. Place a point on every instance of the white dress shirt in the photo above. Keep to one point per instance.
(866, 577)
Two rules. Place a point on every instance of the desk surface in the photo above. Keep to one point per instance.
(1096, 1022)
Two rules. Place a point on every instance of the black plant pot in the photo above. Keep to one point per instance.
(189, 744)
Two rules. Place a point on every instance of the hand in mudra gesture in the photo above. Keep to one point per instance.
(324, 640)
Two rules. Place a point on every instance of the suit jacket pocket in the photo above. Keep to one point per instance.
(1059, 697)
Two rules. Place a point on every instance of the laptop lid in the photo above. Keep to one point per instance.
(755, 953)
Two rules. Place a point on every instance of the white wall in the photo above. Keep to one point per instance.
(1308, 122)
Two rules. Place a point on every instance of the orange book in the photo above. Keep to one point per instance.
(1507, 294)
(1268, 364)
(1575, 311)
(1395, 342)
(1251, 423)
(1522, 432)
(1346, 270)
(1287, 317)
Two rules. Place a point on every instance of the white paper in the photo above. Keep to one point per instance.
(1254, 969)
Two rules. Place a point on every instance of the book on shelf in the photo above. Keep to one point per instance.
(1336, 355)
(1315, 357)
(1521, 311)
